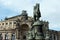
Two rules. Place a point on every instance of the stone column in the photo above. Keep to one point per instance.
(56, 37)
(9, 36)
(3, 35)
(52, 36)
(17, 34)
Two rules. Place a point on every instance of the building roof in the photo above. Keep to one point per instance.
(13, 17)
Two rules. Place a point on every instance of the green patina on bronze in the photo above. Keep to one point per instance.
(36, 32)
(38, 22)
(36, 12)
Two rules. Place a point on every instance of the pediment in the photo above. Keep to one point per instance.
(24, 18)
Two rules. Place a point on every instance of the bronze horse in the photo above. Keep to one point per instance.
(37, 13)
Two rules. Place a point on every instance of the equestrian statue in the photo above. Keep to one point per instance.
(36, 12)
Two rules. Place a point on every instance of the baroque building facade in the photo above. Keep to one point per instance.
(17, 27)
(11, 30)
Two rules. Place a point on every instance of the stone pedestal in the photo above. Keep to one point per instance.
(38, 31)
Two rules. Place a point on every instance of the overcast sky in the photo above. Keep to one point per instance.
(50, 10)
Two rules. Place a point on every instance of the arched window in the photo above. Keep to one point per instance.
(0, 36)
(25, 29)
(13, 36)
(6, 36)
